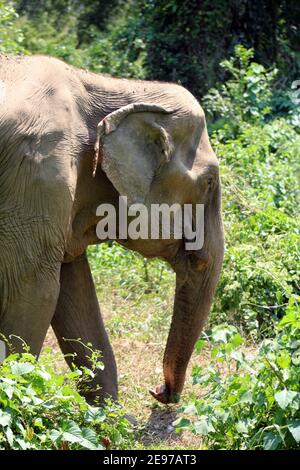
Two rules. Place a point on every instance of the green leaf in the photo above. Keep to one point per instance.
(285, 398)
(241, 427)
(292, 318)
(24, 445)
(82, 437)
(237, 340)
(200, 344)
(182, 423)
(294, 429)
(221, 334)
(90, 436)
(247, 397)
(271, 441)
(55, 435)
(190, 409)
(9, 436)
(203, 427)
(5, 418)
(83, 442)
(222, 414)
(43, 374)
(8, 390)
(283, 359)
(237, 356)
(38, 423)
(95, 415)
(21, 368)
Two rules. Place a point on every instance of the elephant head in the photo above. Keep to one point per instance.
(154, 154)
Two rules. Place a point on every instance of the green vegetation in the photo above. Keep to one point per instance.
(41, 409)
(244, 390)
(158, 39)
(248, 402)
(11, 37)
(258, 151)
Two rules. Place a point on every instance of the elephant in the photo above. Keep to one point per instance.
(70, 140)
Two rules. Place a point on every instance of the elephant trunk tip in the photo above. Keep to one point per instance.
(163, 394)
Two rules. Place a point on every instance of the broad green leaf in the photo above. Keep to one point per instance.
(182, 423)
(91, 436)
(242, 427)
(72, 427)
(237, 340)
(283, 359)
(203, 427)
(190, 409)
(85, 443)
(221, 334)
(7, 380)
(247, 397)
(38, 423)
(55, 435)
(222, 415)
(292, 318)
(82, 437)
(9, 436)
(8, 390)
(271, 441)
(200, 344)
(237, 356)
(296, 358)
(21, 368)
(285, 398)
(5, 418)
(294, 429)
(43, 374)
(96, 415)
(23, 444)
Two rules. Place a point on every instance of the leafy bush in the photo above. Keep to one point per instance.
(11, 37)
(246, 97)
(117, 50)
(41, 409)
(186, 41)
(248, 402)
(51, 35)
(260, 191)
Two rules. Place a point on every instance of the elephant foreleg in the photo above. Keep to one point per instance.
(78, 315)
(28, 313)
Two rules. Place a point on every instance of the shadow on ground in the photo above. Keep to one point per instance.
(159, 427)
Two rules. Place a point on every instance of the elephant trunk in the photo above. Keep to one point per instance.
(196, 278)
(192, 303)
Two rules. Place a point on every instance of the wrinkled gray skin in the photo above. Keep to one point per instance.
(157, 152)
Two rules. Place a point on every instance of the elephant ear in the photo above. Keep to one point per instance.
(133, 144)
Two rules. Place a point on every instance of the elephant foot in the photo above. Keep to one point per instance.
(163, 394)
